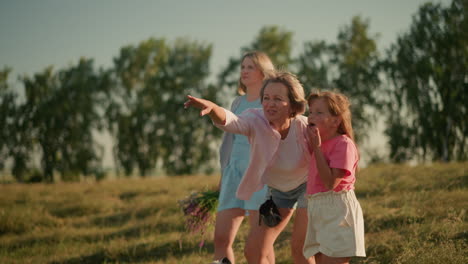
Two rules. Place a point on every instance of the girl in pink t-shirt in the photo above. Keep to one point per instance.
(335, 230)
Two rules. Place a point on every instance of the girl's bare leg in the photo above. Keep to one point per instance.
(324, 259)
(298, 237)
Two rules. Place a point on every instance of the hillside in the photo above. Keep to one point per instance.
(412, 215)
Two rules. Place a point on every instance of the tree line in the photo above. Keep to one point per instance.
(418, 86)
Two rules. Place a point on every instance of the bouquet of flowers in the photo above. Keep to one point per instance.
(199, 209)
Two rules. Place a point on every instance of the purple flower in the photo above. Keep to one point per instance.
(198, 209)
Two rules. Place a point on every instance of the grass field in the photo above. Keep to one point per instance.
(412, 215)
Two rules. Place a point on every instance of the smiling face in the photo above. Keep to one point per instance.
(321, 117)
(276, 104)
(250, 73)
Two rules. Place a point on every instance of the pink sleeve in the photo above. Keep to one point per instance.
(236, 124)
(344, 156)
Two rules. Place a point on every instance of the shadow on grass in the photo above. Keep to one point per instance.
(143, 230)
(137, 254)
(114, 220)
(391, 222)
(463, 236)
(118, 219)
(444, 184)
(27, 243)
(379, 253)
(77, 210)
(146, 212)
(127, 233)
(127, 196)
(158, 192)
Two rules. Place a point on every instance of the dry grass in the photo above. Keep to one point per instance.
(412, 215)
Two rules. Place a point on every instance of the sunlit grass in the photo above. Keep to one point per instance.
(412, 215)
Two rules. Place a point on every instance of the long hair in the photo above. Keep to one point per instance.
(338, 105)
(262, 62)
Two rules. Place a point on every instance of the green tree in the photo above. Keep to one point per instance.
(134, 103)
(351, 65)
(61, 112)
(7, 115)
(427, 68)
(150, 124)
(314, 66)
(13, 139)
(275, 42)
(272, 40)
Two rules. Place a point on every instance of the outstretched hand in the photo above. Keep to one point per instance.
(205, 105)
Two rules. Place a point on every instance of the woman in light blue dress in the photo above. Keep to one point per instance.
(234, 156)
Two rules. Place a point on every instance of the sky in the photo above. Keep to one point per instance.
(36, 34)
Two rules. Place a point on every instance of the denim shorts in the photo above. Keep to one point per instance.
(291, 199)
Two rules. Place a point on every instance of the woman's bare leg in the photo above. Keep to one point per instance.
(227, 224)
(261, 239)
(253, 220)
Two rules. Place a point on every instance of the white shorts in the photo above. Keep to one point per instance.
(336, 225)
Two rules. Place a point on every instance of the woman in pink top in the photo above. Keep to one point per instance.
(279, 158)
(335, 231)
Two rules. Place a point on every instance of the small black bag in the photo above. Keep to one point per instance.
(225, 261)
(269, 213)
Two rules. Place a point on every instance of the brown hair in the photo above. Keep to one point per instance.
(262, 62)
(338, 105)
(295, 90)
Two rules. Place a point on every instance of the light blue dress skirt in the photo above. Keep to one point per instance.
(233, 172)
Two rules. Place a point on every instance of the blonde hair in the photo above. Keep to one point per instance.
(262, 62)
(295, 90)
(338, 105)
